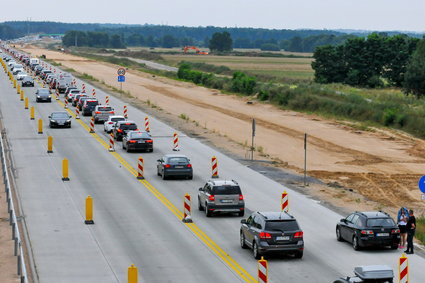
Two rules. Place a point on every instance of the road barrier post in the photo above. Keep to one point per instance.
(92, 125)
(284, 202)
(214, 167)
(93, 93)
(132, 274)
(140, 169)
(77, 113)
(57, 94)
(263, 272)
(107, 100)
(18, 89)
(26, 102)
(65, 101)
(40, 126)
(14, 83)
(22, 95)
(49, 144)
(65, 176)
(89, 211)
(84, 88)
(125, 112)
(147, 128)
(32, 114)
(403, 269)
(176, 142)
(187, 216)
(111, 142)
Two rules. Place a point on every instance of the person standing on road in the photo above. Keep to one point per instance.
(402, 222)
(411, 228)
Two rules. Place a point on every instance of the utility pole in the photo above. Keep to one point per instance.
(305, 159)
(252, 141)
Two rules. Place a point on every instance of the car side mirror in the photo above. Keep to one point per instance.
(243, 221)
(200, 189)
(50, 116)
(159, 160)
(344, 220)
(70, 116)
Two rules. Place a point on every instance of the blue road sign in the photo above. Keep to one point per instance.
(121, 79)
(421, 184)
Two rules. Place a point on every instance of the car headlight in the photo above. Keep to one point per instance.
(49, 96)
(68, 121)
(38, 96)
(54, 121)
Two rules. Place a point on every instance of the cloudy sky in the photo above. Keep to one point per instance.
(407, 15)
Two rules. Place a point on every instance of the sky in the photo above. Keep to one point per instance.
(379, 15)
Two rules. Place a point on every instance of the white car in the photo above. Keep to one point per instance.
(110, 123)
(11, 63)
(20, 76)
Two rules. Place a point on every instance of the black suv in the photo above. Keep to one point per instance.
(121, 129)
(272, 232)
(368, 229)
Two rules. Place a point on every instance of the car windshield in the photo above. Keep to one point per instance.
(74, 91)
(226, 190)
(105, 108)
(27, 79)
(128, 126)
(60, 115)
(18, 66)
(43, 91)
(177, 160)
(92, 103)
(380, 222)
(279, 225)
(117, 119)
(141, 135)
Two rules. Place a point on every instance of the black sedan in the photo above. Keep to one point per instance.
(60, 119)
(43, 94)
(137, 140)
(174, 165)
(27, 81)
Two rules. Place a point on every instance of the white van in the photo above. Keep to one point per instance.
(34, 61)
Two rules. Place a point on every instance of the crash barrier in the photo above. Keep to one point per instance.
(32, 113)
(125, 112)
(40, 126)
(49, 144)
(16, 236)
(147, 128)
(107, 100)
(284, 202)
(89, 210)
(77, 113)
(176, 142)
(263, 272)
(26, 102)
(187, 204)
(111, 142)
(92, 125)
(140, 168)
(214, 167)
(132, 274)
(403, 269)
(65, 176)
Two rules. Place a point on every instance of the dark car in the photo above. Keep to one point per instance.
(81, 101)
(60, 119)
(43, 94)
(77, 98)
(27, 81)
(44, 73)
(175, 165)
(38, 69)
(121, 129)
(368, 229)
(370, 274)
(88, 106)
(68, 89)
(272, 232)
(221, 196)
(137, 140)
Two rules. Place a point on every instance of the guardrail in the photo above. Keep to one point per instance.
(19, 252)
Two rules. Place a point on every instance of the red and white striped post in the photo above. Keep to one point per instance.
(111, 142)
(74, 82)
(92, 125)
(65, 103)
(57, 94)
(93, 93)
(214, 167)
(77, 113)
(284, 202)
(147, 128)
(125, 112)
(403, 269)
(263, 272)
(187, 204)
(84, 88)
(176, 142)
(107, 100)
(140, 169)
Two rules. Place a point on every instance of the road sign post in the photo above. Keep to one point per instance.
(252, 141)
(121, 76)
(421, 185)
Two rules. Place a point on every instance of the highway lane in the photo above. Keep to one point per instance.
(324, 257)
(130, 226)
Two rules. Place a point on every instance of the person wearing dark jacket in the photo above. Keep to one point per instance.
(411, 228)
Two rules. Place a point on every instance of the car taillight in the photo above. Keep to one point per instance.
(366, 232)
(211, 197)
(111, 112)
(97, 112)
(119, 131)
(189, 165)
(110, 123)
(132, 141)
(299, 234)
(167, 166)
(240, 197)
(149, 141)
(395, 231)
(265, 235)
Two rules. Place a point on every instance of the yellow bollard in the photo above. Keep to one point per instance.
(89, 210)
(22, 95)
(132, 274)
(14, 83)
(65, 176)
(40, 126)
(18, 89)
(32, 113)
(26, 102)
(49, 144)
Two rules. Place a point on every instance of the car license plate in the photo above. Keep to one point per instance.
(141, 141)
(226, 200)
(382, 234)
(282, 238)
(178, 166)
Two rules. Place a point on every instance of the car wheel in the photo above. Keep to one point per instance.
(356, 245)
(299, 254)
(241, 213)
(255, 251)
(128, 150)
(207, 211)
(338, 234)
(50, 125)
(163, 176)
(200, 207)
(190, 177)
(242, 241)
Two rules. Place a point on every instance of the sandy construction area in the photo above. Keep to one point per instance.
(383, 166)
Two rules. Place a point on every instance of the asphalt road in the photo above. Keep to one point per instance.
(138, 222)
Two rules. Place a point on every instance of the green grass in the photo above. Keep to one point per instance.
(88, 77)
(420, 229)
